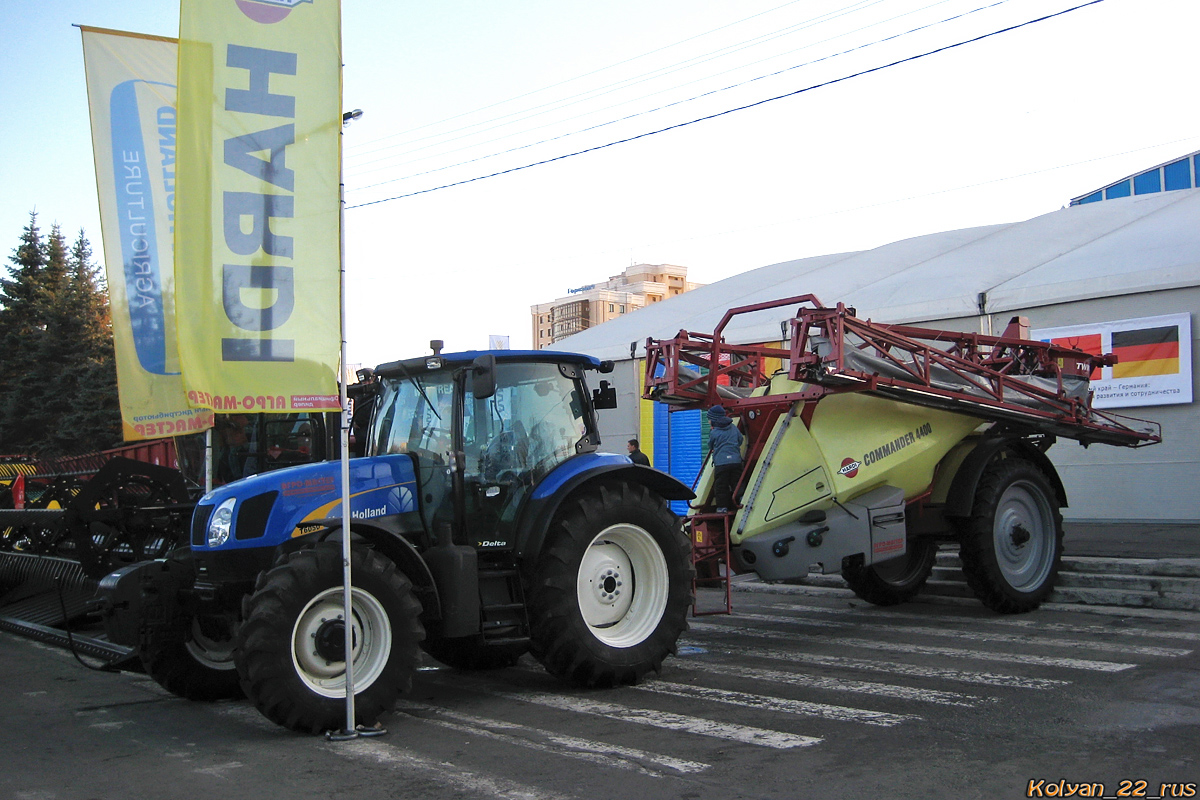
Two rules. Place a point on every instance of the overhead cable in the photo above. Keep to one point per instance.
(734, 110)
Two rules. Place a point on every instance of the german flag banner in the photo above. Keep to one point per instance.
(257, 204)
(1154, 365)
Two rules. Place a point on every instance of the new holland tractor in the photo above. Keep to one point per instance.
(869, 445)
(484, 523)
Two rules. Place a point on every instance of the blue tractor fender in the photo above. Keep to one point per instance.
(578, 473)
(397, 549)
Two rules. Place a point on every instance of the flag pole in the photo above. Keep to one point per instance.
(350, 730)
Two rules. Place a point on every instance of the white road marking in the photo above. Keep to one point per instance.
(220, 770)
(602, 753)
(894, 668)
(982, 636)
(776, 704)
(1039, 625)
(893, 647)
(1099, 630)
(452, 776)
(839, 684)
(111, 726)
(667, 720)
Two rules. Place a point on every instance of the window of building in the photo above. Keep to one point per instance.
(622, 309)
(1094, 197)
(1178, 175)
(1147, 183)
(1120, 190)
(610, 308)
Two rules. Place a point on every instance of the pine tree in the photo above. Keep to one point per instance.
(21, 299)
(92, 420)
(57, 371)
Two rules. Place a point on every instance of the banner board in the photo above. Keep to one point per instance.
(257, 238)
(1154, 354)
(131, 99)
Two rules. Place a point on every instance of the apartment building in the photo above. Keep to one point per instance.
(587, 306)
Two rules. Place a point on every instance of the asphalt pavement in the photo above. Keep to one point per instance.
(791, 698)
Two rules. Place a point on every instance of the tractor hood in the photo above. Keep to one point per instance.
(268, 509)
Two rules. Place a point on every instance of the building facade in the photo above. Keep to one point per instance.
(587, 306)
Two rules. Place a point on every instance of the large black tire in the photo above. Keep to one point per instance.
(289, 649)
(470, 653)
(192, 664)
(1012, 544)
(611, 592)
(896, 580)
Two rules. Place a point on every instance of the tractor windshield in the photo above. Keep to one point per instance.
(415, 415)
(531, 424)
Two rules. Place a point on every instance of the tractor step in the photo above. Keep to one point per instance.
(503, 640)
(502, 572)
(503, 607)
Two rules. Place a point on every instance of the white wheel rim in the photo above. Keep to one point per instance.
(372, 642)
(1024, 562)
(622, 585)
(210, 652)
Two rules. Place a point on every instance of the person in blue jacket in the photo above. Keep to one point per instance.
(725, 442)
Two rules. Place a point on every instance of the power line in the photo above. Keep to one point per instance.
(685, 100)
(739, 108)
(642, 79)
(590, 94)
(866, 206)
(584, 75)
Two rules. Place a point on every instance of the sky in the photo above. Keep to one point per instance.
(996, 130)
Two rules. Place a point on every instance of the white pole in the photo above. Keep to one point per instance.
(347, 608)
(208, 460)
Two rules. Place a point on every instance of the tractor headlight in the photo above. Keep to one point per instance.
(220, 524)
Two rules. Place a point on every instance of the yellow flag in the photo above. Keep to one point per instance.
(131, 99)
(257, 253)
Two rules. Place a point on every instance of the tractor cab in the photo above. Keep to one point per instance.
(485, 428)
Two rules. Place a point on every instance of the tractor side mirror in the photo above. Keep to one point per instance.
(604, 397)
(483, 376)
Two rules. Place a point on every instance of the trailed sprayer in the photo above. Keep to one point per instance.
(868, 445)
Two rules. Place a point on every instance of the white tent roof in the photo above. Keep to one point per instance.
(1136, 244)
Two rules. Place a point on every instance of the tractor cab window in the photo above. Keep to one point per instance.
(415, 415)
(292, 439)
(531, 424)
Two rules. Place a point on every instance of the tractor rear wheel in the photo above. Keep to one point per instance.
(611, 592)
(896, 580)
(1011, 545)
(290, 649)
(470, 652)
(195, 665)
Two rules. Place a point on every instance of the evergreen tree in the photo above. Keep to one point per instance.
(57, 370)
(21, 301)
(92, 420)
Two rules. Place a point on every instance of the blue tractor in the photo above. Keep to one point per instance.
(484, 523)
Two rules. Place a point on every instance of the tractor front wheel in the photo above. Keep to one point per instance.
(196, 664)
(611, 592)
(290, 649)
(896, 580)
(1011, 546)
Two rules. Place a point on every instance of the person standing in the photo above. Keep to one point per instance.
(635, 454)
(725, 443)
